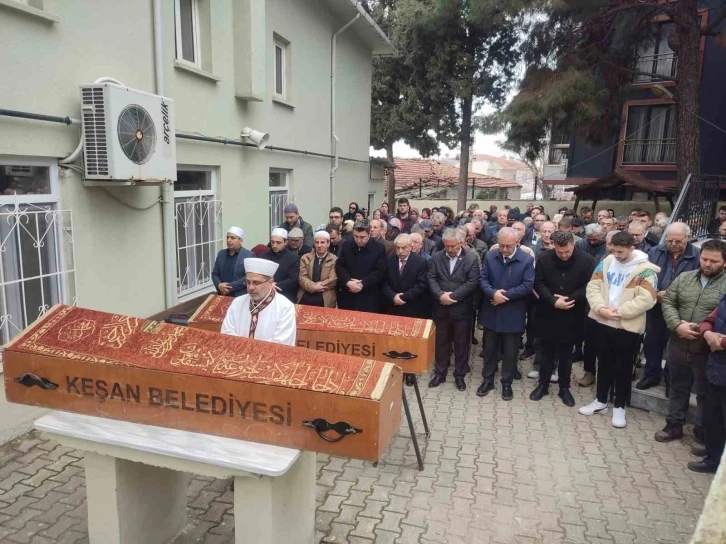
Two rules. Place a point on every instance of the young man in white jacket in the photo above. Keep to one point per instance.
(623, 287)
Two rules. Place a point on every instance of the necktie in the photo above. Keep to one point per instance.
(506, 260)
(400, 267)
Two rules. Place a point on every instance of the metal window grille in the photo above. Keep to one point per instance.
(658, 151)
(199, 236)
(655, 66)
(278, 201)
(697, 205)
(37, 264)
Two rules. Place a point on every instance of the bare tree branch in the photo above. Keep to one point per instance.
(639, 73)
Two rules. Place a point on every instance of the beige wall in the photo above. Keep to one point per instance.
(119, 250)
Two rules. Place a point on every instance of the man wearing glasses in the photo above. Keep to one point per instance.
(335, 217)
(261, 314)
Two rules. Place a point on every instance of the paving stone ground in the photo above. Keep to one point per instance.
(495, 472)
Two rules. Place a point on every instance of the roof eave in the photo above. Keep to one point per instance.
(365, 27)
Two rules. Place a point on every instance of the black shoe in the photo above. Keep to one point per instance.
(474, 341)
(460, 384)
(566, 396)
(539, 392)
(577, 356)
(526, 354)
(410, 380)
(507, 393)
(705, 466)
(699, 450)
(668, 433)
(437, 381)
(517, 374)
(484, 388)
(647, 383)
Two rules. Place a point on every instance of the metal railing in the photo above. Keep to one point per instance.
(557, 155)
(697, 205)
(37, 264)
(278, 201)
(656, 151)
(655, 66)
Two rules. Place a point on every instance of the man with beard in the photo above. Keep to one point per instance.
(688, 301)
(361, 267)
(288, 271)
(228, 273)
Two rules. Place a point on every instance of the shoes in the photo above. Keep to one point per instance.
(484, 389)
(699, 435)
(474, 341)
(703, 466)
(577, 356)
(619, 418)
(588, 378)
(526, 354)
(410, 380)
(539, 392)
(595, 407)
(507, 393)
(436, 381)
(668, 433)
(699, 450)
(555, 377)
(647, 383)
(566, 396)
(534, 374)
(460, 384)
(517, 374)
(481, 353)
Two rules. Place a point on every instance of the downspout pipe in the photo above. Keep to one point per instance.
(167, 189)
(333, 135)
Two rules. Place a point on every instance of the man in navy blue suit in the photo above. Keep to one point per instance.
(228, 273)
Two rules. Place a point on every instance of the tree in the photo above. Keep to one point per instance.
(580, 56)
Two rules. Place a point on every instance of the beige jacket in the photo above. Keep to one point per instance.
(328, 278)
(639, 295)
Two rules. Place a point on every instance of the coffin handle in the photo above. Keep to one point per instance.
(321, 426)
(29, 380)
(400, 355)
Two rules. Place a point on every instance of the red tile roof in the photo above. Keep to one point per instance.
(412, 172)
(504, 162)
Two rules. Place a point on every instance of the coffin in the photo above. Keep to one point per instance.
(408, 342)
(143, 371)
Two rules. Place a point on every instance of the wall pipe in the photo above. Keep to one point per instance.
(333, 135)
(38, 117)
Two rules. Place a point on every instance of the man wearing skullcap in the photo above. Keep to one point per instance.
(228, 273)
(318, 280)
(295, 242)
(288, 271)
(261, 314)
(293, 220)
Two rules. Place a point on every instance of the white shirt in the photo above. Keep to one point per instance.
(276, 323)
(452, 262)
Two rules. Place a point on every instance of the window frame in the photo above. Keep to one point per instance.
(286, 190)
(667, 167)
(179, 52)
(278, 43)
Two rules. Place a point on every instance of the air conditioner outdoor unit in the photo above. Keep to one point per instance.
(128, 134)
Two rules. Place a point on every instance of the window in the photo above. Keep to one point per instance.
(655, 57)
(279, 195)
(650, 135)
(199, 230)
(186, 14)
(36, 245)
(281, 88)
(371, 203)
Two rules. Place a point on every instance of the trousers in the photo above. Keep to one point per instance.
(508, 345)
(549, 350)
(458, 333)
(617, 349)
(654, 344)
(714, 421)
(688, 371)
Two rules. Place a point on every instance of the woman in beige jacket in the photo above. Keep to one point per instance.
(318, 280)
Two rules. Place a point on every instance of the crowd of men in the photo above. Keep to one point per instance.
(573, 287)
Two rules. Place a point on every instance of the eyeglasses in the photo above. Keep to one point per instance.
(333, 217)
(253, 283)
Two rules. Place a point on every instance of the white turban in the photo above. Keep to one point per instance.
(282, 233)
(238, 232)
(322, 234)
(260, 266)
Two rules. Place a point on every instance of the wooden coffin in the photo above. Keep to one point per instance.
(143, 371)
(408, 342)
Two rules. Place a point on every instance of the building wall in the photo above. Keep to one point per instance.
(118, 249)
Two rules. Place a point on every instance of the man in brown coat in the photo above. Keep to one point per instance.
(318, 280)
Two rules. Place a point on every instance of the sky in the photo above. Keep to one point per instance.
(483, 144)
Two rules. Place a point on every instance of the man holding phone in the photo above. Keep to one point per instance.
(561, 278)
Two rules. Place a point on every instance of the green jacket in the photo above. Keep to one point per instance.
(686, 300)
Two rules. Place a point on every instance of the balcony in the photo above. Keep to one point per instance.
(558, 155)
(655, 67)
(657, 152)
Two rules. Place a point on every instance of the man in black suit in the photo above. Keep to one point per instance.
(453, 277)
(287, 277)
(361, 267)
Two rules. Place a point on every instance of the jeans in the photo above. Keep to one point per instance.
(508, 344)
(687, 371)
(715, 421)
(550, 349)
(457, 332)
(654, 344)
(617, 349)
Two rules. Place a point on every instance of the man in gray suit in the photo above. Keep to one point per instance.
(453, 278)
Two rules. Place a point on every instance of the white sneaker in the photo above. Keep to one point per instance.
(619, 418)
(555, 377)
(533, 374)
(593, 408)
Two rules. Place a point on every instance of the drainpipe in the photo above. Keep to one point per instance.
(333, 135)
(167, 189)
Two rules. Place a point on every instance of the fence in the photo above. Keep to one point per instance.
(697, 204)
